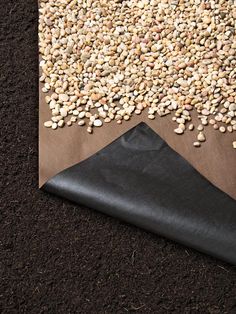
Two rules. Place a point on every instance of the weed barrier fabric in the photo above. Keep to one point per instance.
(138, 178)
(144, 174)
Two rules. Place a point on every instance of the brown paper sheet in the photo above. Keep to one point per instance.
(62, 148)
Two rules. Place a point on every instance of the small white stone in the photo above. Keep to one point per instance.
(54, 126)
(82, 115)
(81, 123)
(48, 124)
(61, 123)
(200, 127)
(63, 112)
(196, 144)
(205, 112)
(63, 97)
(222, 129)
(97, 123)
(179, 131)
(232, 107)
(191, 127)
(201, 137)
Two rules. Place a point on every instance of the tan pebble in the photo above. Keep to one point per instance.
(223, 110)
(73, 119)
(69, 123)
(205, 112)
(188, 107)
(82, 115)
(218, 118)
(234, 144)
(89, 130)
(47, 99)
(232, 107)
(204, 122)
(182, 126)
(81, 123)
(54, 119)
(212, 121)
(61, 123)
(201, 137)
(73, 98)
(216, 126)
(139, 106)
(222, 129)
(179, 131)
(151, 116)
(200, 127)
(196, 144)
(75, 112)
(126, 117)
(63, 97)
(54, 96)
(191, 127)
(96, 97)
(54, 126)
(48, 124)
(63, 112)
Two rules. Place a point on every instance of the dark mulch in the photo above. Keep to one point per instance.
(57, 257)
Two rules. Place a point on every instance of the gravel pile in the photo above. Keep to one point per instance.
(108, 60)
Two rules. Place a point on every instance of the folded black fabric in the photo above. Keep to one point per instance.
(140, 179)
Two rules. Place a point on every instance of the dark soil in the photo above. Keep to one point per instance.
(57, 257)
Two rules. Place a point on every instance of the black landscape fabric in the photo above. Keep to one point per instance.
(141, 180)
(60, 257)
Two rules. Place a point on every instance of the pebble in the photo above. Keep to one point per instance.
(234, 144)
(63, 97)
(54, 126)
(229, 128)
(96, 97)
(196, 144)
(201, 137)
(232, 107)
(63, 112)
(48, 124)
(179, 131)
(81, 115)
(205, 112)
(200, 127)
(61, 123)
(97, 123)
(89, 130)
(191, 127)
(204, 122)
(222, 129)
(81, 123)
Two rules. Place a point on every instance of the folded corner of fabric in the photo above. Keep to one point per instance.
(138, 178)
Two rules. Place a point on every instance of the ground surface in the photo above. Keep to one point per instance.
(57, 257)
